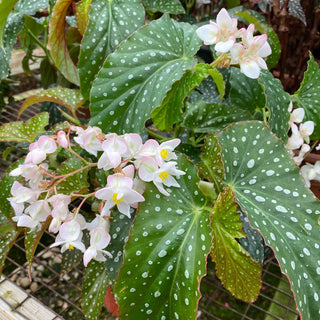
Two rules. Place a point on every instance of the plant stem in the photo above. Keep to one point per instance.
(42, 46)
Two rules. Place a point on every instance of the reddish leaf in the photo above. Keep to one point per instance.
(111, 303)
(57, 42)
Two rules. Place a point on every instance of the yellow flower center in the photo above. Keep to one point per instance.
(164, 175)
(115, 198)
(71, 247)
(164, 154)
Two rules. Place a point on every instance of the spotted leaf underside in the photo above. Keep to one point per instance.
(168, 6)
(170, 110)
(238, 272)
(24, 132)
(165, 257)
(94, 289)
(136, 77)
(269, 188)
(109, 23)
(277, 101)
(308, 96)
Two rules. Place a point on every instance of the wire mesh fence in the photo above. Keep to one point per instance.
(62, 293)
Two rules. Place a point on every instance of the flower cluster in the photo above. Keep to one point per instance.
(300, 133)
(132, 162)
(248, 53)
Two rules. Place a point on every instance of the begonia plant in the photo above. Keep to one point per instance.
(176, 155)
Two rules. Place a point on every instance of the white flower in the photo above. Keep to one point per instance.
(250, 54)
(296, 140)
(114, 147)
(311, 172)
(299, 158)
(60, 211)
(119, 192)
(69, 236)
(62, 139)
(36, 213)
(89, 139)
(223, 33)
(297, 115)
(31, 172)
(99, 239)
(306, 130)
(20, 195)
(39, 150)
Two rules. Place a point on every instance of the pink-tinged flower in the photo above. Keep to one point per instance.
(99, 222)
(36, 213)
(60, 211)
(114, 147)
(311, 172)
(99, 239)
(299, 158)
(147, 167)
(296, 140)
(134, 144)
(250, 55)
(223, 33)
(62, 139)
(39, 150)
(20, 195)
(297, 115)
(119, 192)
(89, 139)
(164, 176)
(69, 236)
(31, 172)
(306, 130)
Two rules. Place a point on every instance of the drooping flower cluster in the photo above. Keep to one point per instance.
(300, 133)
(248, 53)
(132, 162)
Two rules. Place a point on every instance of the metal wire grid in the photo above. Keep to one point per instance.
(216, 303)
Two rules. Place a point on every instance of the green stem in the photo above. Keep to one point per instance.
(41, 45)
(265, 117)
(155, 135)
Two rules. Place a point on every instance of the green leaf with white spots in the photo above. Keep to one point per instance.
(246, 93)
(119, 232)
(165, 256)
(170, 110)
(8, 235)
(6, 7)
(308, 96)
(253, 242)
(13, 26)
(74, 182)
(69, 98)
(296, 10)
(203, 118)
(277, 102)
(238, 272)
(94, 289)
(138, 75)
(82, 15)
(269, 188)
(109, 23)
(211, 167)
(24, 132)
(166, 6)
